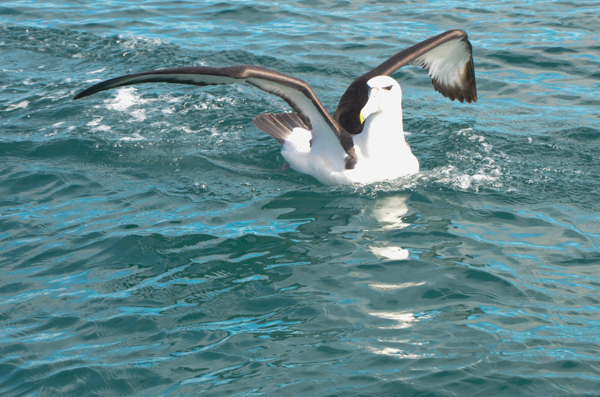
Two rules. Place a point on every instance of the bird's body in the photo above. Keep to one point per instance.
(364, 140)
(381, 149)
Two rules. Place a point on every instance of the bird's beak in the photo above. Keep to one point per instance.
(372, 105)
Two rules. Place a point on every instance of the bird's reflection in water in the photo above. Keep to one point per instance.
(388, 213)
(364, 221)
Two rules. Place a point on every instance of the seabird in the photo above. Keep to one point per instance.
(364, 139)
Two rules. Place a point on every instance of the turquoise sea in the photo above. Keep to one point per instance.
(151, 246)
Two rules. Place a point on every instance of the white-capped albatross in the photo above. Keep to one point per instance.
(364, 139)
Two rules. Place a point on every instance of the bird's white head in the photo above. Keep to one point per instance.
(384, 94)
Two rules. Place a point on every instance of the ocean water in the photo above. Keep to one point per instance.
(151, 246)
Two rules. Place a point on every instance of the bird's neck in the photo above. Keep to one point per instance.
(382, 132)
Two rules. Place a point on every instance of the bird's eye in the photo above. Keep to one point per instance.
(389, 87)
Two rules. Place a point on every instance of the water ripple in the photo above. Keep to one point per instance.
(150, 245)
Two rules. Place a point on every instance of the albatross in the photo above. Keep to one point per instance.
(364, 140)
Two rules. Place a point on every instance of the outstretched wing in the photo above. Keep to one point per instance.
(449, 62)
(298, 94)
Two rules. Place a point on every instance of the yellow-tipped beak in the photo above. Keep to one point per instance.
(371, 106)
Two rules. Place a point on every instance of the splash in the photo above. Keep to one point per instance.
(125, 98)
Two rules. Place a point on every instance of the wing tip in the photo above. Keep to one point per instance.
(90, 91)
(458, 32)
(466, 87)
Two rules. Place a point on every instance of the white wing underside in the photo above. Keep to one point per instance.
(446, 63)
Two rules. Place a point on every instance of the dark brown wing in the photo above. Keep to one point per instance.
(297, 93)
(449, 62)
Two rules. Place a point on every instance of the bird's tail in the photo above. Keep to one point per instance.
(279, 126)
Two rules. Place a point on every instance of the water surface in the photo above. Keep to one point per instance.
(150, 246)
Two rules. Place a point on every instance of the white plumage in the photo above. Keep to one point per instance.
(381, 149)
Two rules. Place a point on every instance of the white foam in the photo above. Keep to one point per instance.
(95, 124)
(125, 98)
(58, 95)
(135, 137)
(20, 105)
(139, 115)
(214, 102)
(483, 167)
(96, 71)
(187, 130)
(450, 175)
(138, 42)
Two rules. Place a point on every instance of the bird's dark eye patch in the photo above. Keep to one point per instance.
(389, 87)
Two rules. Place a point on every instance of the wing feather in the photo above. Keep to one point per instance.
(279, 126)
(326, 131)
(449, 62)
